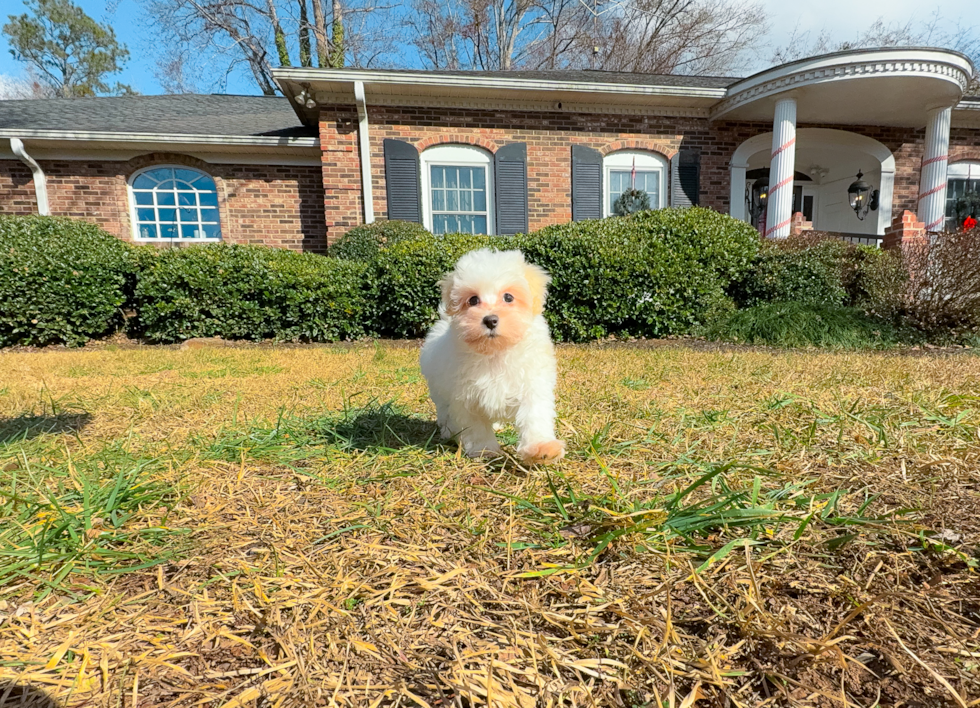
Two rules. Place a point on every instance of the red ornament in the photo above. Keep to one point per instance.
(969, 223)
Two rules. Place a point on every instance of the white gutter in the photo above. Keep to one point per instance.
(40, 183)
(364, 143)
(309, 75)
(176, 138)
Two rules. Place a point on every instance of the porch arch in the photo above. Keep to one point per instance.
(810, 138)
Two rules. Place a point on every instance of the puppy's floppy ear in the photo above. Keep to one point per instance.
(449, 305)
(537, 282)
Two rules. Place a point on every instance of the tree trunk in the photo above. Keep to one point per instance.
(320, 33)
(280, 36)
(305, 58)
(337, 36)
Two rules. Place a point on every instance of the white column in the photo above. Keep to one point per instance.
(782, 167)
(932, 182)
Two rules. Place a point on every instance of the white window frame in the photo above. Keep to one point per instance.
(134, 221)
(645, 162)
(966, 169)
(456, 156)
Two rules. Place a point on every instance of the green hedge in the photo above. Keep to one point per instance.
(647, 275)
(798, 269)
(362, 243)
(650, 274)
(249, 292)
(402, 286)
(61, 281)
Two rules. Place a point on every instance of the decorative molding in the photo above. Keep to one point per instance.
(839, 72)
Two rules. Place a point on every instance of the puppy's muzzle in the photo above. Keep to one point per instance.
(490, 322)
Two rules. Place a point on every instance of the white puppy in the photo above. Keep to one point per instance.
(489, 358)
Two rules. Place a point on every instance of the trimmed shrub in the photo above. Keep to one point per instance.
(803, 269)
(249, 292)
(61, 280)
(797, 324)
(648, 275)
(362, 243)
(651, 274)
(403, 280)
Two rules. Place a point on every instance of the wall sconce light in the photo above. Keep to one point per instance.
(862, 197)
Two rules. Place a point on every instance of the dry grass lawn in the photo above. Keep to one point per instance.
(261, 526)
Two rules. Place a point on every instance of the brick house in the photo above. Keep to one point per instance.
(504, 152)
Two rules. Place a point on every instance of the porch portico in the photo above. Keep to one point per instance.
(909, 88)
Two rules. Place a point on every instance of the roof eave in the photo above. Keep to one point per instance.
(169, 138)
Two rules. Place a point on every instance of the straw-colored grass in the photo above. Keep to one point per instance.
(262, 526)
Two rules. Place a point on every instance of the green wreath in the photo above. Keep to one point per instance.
(630, 202)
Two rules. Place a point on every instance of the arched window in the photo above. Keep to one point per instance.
(962, 178)
(174, 203)
(457, 190)
(633, 169)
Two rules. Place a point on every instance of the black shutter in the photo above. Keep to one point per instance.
(586, 183)
(402, 181)
(685, 179)
(510, 173)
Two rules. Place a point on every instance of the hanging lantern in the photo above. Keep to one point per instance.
(862, 197)
(760, 194)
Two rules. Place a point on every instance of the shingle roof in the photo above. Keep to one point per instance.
(183, 114)
(588, 76)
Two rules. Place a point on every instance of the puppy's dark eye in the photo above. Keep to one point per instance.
(473, 301)
(508, 297)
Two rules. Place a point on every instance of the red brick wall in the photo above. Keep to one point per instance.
(264, 204)
(549, 137)
(16, 189)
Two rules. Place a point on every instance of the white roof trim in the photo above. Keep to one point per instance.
(176, 138)
(311, 75)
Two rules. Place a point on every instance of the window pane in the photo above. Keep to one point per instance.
(145, 215)
(166, 198)
(438, 176)
(167, 215)
(168, 231)
(143, 198)
(186, 199)
(480, 201)
(466, 177)
(144, 181)
(212, 231)
(452, 199)
(466, 200)
(148, 231)
(209, 199)
(190, 176)
(452, 177)
(443, 224)
(209, 215)
(188, 231)
(188, 215)
(479, 178)
(438, 200)
(169, 184)
(479, 224)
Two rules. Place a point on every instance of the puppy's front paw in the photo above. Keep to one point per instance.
(543, 452)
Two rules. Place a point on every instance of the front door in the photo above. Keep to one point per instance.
(805, 200)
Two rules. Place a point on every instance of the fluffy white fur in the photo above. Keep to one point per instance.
(481, 375)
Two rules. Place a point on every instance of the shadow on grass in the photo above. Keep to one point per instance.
(14, 695)
(26, 427)
(379, 428)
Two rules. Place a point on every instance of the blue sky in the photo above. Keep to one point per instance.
(840, 18)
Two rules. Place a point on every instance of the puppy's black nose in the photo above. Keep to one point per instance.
(491, 321)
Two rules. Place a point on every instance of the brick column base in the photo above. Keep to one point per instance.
(904, 231)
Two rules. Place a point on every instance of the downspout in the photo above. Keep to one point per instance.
(40, 183)
(365, 151)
